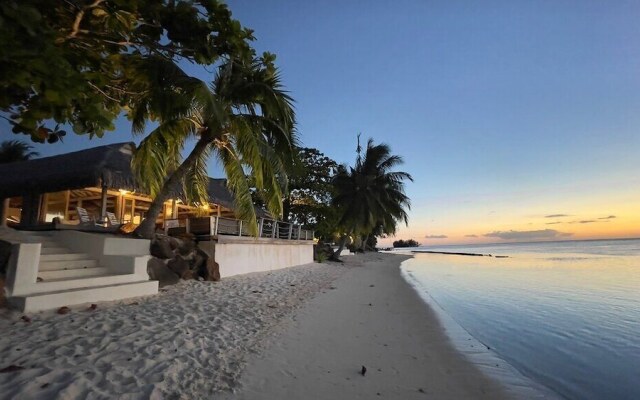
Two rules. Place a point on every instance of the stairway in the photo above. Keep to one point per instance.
(66, 277)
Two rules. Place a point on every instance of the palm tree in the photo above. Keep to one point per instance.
(244, 118)
(13, 151)
(371, 195)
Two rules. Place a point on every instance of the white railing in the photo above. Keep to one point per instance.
(214, 226)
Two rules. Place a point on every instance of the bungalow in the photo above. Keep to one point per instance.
(53, 263)
(99, 180)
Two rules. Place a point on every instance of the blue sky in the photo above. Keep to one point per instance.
(505, 111)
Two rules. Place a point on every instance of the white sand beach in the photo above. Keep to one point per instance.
(300, 333)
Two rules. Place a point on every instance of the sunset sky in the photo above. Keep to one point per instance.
(518, 120)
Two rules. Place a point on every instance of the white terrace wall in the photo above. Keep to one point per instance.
(242, 255)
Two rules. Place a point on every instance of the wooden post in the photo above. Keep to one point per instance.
(290, 230)
(260, 224)
(240, 228)
(4, 212)
(174, 209)
(103, 204)
(274, 230)
(299, 231)
(67, 201)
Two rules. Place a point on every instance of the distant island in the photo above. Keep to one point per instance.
(405, 243)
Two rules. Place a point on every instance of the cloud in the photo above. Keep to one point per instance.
(556, 215)
(436, 236)
(609, 217)
(553, 223)
(470, 235)
(528, 235)
(587, 221)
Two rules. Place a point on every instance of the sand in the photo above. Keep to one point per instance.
(296, 333)
(370, 318)
(187, 342)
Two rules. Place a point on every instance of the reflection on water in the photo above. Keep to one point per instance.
(568, 318)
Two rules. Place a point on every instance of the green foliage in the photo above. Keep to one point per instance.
(406, 243)
(14, 151)
(84, 62)
(310, 190)
(370, 197)
(244, 118)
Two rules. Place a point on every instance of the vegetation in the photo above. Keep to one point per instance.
(245, 119)
(308, 202)
(84, 62)
(13, 151)
(370, 197)
(406, 243)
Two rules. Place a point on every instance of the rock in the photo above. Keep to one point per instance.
(5, 253)
(213, 270)
(25, 319)
(161, 247)
(363, 370)
(64, 310)
(93, 307)
(186, 244)
(180, 267)
(159, 271)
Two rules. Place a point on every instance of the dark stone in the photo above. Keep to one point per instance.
(158, 271)
(161, 247)
(180, 267)
(11, 368)
(187, 245)
(199, 263)
(213, 270)
(5, 253)
(64, 310)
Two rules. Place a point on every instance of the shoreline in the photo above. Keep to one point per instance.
(374, 318)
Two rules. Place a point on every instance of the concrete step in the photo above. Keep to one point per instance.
(79, 283)
(54, 250)
(64, 256)
(66, 264)
(64, 274)
(55, 299)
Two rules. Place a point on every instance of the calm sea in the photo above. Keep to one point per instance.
(565, 314)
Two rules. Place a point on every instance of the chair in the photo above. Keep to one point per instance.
(113, 221)
(84, 217)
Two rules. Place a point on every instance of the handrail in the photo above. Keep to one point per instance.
(214, 226)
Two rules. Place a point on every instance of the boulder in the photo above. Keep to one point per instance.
(212, 270)
(161, 247)
(186, 244)
(181, 267)
(158, 271)
(5, 254)
(199, 263)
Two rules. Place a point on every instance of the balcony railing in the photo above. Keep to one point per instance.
(214, 226)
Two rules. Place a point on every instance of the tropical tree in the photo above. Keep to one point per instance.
(13, 151)
(370, 197)
(244, 118)
(71, 62)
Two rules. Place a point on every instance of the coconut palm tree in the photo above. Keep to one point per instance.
(13, 151)
(370, 196)
(244, 118)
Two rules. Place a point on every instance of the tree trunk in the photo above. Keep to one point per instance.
(336, 254)
(364, 243)
(148, 225)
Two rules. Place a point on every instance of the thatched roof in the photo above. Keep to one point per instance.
(110, 164)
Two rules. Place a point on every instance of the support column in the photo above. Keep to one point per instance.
(4, 211)
(103, 204)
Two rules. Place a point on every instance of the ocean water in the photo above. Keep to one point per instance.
(564, 314)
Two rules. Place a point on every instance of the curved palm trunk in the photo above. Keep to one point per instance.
(148, 225)
(336, 254)
(364, 243)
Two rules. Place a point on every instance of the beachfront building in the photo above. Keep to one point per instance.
(98, 180)
(66, 208)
